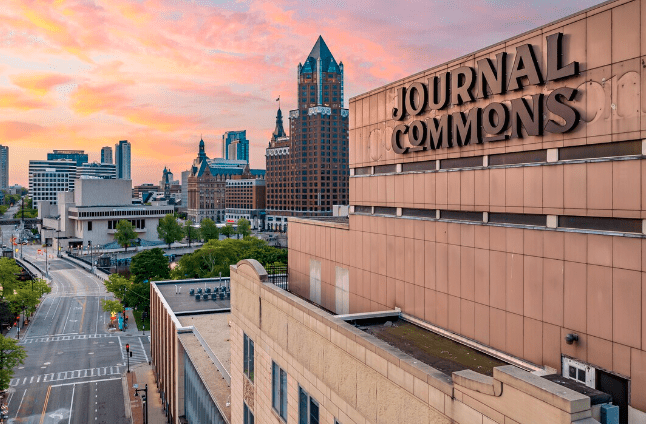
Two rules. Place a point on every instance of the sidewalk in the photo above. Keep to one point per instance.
(141, 375)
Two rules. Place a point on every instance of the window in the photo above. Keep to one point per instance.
(308, 408)
(89, 225)
(248, 416)
(279, 390)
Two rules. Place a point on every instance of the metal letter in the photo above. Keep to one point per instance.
(491, 77)
(438, 91)
(555, 104)
(411, 107)
(400, 110)
(525, 66)
(466, 128)
(530, 118)
(495, 119)
(462, 81)
(417, 136)
(554, 55)
(396, 141)
(438, 133)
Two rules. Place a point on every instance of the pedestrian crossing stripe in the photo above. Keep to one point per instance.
(66, 375)
(64, 338)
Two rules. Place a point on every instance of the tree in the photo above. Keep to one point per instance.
(169, 229)
(190, 232)
(7, 317)
(11, 355)
(117, 285)
(150, 265)
(227, 230)
(125, 233)
(111, 306)
(138, 296)
(209, 230)
(244, 227)
(8, 275)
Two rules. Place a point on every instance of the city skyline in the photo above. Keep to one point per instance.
(72, 77)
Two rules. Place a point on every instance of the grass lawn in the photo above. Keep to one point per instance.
(139, 321)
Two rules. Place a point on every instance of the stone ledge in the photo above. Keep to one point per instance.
(551, 393)
(478, 382)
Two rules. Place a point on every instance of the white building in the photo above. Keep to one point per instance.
(97, 170)
(49, 177)
(122, 159)
(92, 211)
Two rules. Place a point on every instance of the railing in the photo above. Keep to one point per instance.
(278, 275)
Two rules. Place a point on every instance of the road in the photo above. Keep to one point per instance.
(73, 370)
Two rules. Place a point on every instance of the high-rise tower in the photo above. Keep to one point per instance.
(122, 159)
(106, 154)
(308, 173)
(4, 167)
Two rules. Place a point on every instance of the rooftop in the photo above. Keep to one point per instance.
(177, 295)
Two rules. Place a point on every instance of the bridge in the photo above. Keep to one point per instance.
(16, 221)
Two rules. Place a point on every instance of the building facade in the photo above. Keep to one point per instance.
(106, 171)
(308, 173)
(4, 167)
(207, 185)
(235, 145)
(78, 156)
(245, 199)
(106, 154)
(122, 159)
(48, 177)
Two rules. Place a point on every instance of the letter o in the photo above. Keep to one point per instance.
(498, 110)
(420, 89)
(396, 140)
(417, 133)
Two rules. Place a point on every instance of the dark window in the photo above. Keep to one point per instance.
(417, 166)
(422, 213)
(462, 215)
(248, 357)
(519, 157)
(362, 209)
(279, 390)
(381, 210)
(518, 218)
(89, 225)
(248, 416)
(626, 225)
(471, 162)
(308, 408)
(362, 171)
(626, 148)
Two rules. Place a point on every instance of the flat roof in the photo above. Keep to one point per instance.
(183, 302)
(214, 329)
(433, 349)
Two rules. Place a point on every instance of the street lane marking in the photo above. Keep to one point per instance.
(71, 405)
(68, 375)
(42, 416)
(85, 382)
(82, 315)
(64, 338)
(20, 404)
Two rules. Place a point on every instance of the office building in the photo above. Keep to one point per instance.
(307, 172)
(97, 170)
(122, 159)
(4, 167)
(78, 156)
(235, 145)
(106, 154)
(48, 177)
(92, 211)
(184, 191)
(508, 210)
(245, 199)
(207, 184)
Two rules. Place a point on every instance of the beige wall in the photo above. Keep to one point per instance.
(519, 289)
(357, 378)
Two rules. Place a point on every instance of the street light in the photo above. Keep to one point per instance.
(128, 355)
(89, 245)
(58, 243)
(144, 399)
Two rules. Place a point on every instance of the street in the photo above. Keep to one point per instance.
(73, 370)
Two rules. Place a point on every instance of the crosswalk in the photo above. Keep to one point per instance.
(64, 338)
(137, 349)
(66, 375)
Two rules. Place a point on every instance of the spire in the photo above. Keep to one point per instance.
(321, 52)
(279, 131)
(202, 154)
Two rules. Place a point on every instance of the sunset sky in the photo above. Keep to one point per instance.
(85, 74)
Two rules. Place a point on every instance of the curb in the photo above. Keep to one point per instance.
(126, 396)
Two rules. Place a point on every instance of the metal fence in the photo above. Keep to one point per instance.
(278, 276)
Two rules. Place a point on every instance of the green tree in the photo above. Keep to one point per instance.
(125, 234)
(117, 285)
(111, 305)
(8, 276)
(228, 230)
(209, 230)
(26, 299)
(150, 265)
(39, 286)
(7, 317)
(191, 232)
(169, 229)
(138, 296)
(244, 227)
(11, 355)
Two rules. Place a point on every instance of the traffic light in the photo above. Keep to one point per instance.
(127, 347)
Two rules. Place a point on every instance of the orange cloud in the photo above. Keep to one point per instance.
(88, 99)
(16, 99)
(15, 130)
(39, 83)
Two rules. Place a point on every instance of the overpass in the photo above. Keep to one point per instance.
(16, 221)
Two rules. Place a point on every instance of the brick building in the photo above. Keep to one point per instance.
(308, 172)
(245, 199)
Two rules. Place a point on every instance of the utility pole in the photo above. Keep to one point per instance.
(22, 226)
(144, 399)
